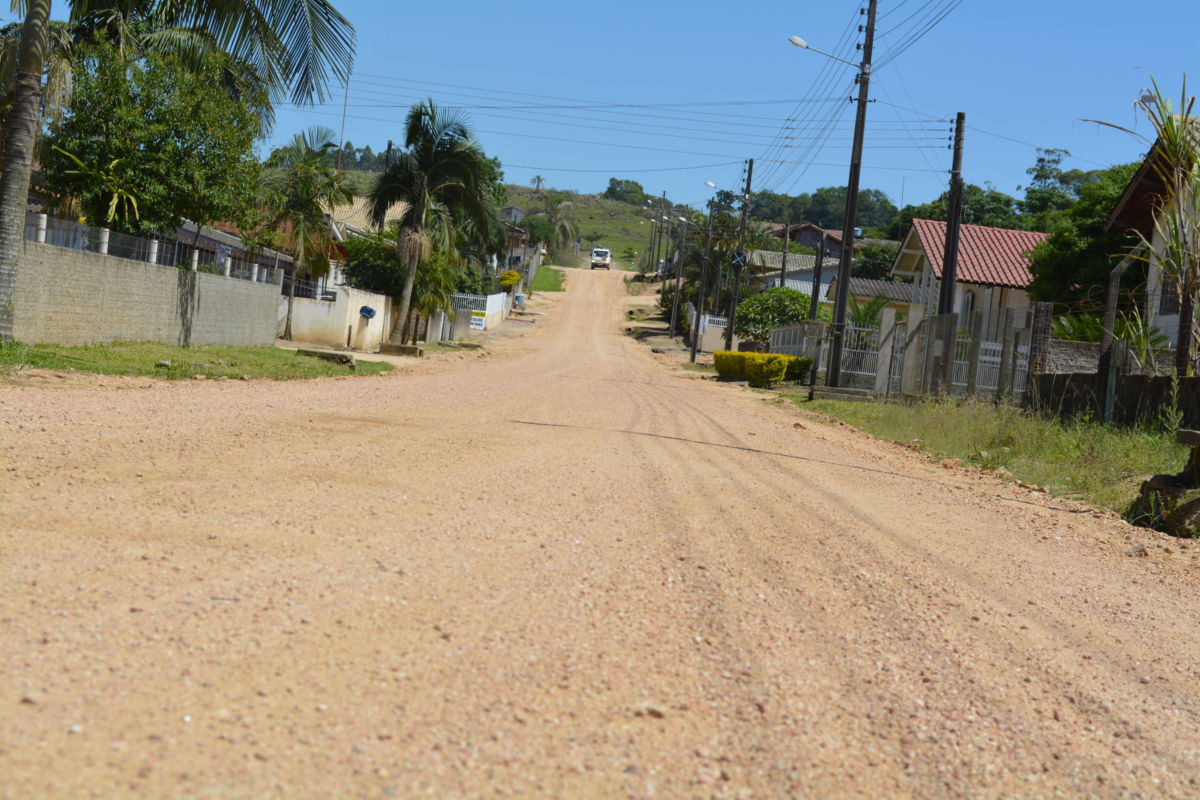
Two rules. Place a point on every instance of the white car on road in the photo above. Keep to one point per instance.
(601, 259)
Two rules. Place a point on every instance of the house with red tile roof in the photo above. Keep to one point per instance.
(993, 269)
(1136, 212)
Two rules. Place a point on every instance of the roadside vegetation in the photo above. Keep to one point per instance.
(597, 221)
(142, 358)
(1081, 459)
(549, 280)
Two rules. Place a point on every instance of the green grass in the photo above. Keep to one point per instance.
(1098, 464)
(139, 358)
(619, 224)
(548, 280)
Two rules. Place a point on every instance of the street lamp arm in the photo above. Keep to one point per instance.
(798, 42)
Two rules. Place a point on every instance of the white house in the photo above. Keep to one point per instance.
(1135, 212)
(993, 269)
(765, 268)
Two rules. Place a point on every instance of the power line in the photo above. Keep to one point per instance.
(932, 22)
(623, 171)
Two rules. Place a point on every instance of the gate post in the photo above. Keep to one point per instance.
(917, 325)
(887, 342)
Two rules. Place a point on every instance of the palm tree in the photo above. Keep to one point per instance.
(537, 183)
(294, 46)
(556, 213)
(441, 178)
(305, 183)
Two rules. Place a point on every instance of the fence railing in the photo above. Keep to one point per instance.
(165, 252)
(489, 303)
(706, 320)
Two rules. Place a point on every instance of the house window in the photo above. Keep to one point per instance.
(968, 304)
(1168, 295)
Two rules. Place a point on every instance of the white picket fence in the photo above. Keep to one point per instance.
(705, 320)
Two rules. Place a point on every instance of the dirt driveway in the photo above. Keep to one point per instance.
(567, 573)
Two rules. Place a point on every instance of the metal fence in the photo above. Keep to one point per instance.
(929, 356)
(165, 252)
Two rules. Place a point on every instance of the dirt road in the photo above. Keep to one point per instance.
(568, 573)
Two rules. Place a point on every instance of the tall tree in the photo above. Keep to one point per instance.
(982, 205)
(294, 47)
(443, 178)
(304, 183)
(1070, 266)
(184, 147)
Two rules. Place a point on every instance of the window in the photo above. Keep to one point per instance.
(1168, 295)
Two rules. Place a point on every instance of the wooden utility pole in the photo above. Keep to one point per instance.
(739, 258)
(662, 205)
(816, 287)
(953, 222)
(703, 284)
(833, 374)
(787, 243)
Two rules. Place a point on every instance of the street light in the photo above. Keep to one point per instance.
(796, 40)
(833, 373)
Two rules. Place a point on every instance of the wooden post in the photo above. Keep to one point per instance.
(887, 342)
(1006, 351)
(950, 349)
(976, 347)
(909, 377)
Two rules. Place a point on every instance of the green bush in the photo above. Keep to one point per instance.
(765, 370)
(797, 368)
(762, 370)
(509, 279)
(730, 366)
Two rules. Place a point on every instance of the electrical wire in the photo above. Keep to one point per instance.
(931, 22)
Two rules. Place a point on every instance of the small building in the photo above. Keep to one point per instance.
(765, 266)
(899, 294)
(1135, 213)
(993, 269)
(810, 235)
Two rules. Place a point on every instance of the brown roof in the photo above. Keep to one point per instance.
(357, 214)
(986, 256)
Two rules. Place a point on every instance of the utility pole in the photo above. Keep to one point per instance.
(678, 275)
(954, 221)
(739, 258)
(662, 205)
(703, 283)
(649, 247)
(816, 287)
(833, 374)
(787, 243)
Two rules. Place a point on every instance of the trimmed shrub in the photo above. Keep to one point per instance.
(765, 370)
(730, 366)
(797, 368)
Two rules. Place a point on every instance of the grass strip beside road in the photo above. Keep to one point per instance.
(548, 279)
(1084, 460)
(211, 361)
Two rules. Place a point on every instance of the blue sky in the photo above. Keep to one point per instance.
(1028, 71)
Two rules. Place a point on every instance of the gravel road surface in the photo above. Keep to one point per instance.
(568, 570)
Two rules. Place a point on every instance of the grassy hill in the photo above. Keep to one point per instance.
(620, 225)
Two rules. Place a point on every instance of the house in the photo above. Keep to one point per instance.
(900, 295)
(810, 235)
(764, 267)
(1135, 213)
(993, 269)
(354, 218)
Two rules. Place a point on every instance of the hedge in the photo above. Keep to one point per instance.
(762, 370)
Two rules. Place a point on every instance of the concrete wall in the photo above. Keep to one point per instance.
(69, 296)
(337, 323)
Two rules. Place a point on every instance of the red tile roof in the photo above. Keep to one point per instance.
(986, 256)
